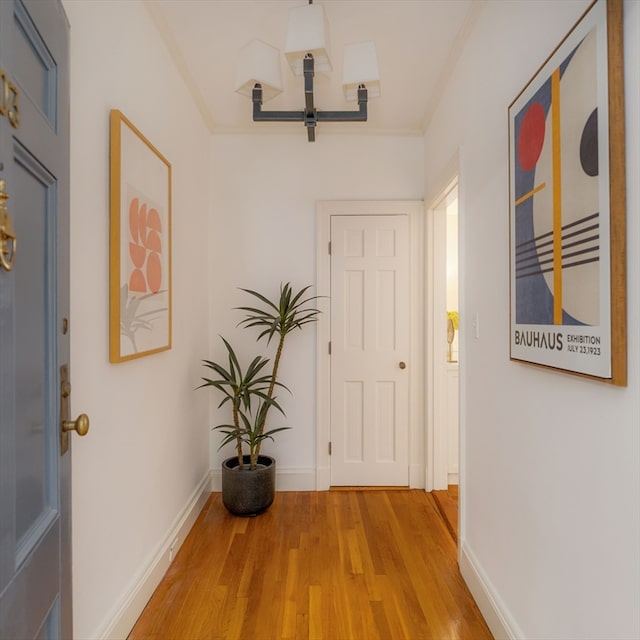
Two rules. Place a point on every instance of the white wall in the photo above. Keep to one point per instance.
(264, 232)
(550, 462)
(146, 453)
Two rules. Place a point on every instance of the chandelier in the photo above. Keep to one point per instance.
(307, 52)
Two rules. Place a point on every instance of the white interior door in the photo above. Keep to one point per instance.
(370, 340)
(35, 537)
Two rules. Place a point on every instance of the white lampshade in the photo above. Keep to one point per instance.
(360, 67)
(308, 32)
(259, 62)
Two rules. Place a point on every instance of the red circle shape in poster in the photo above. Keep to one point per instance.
(531, 136)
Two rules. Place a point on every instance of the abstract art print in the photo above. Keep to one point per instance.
(567, 205)
(140, 235)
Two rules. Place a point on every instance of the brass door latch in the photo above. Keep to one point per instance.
(9, 99)
(80, 425)
(8, 241)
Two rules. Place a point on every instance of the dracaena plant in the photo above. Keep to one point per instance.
(251, 393)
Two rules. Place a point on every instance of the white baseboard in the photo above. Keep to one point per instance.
(127, 611)
(491, 606)
(311, 479)
(287, 479)
(295, 480)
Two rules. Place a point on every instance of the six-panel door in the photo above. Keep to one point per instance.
(370, 330)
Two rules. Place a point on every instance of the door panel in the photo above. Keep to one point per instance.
(370, 328)
(35, 574)
(33, 66)
(35, 367)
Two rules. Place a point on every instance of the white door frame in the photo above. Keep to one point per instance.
(415, 210)
(436, 303)
(435, 310)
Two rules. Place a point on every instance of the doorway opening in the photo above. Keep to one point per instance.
(445, 353)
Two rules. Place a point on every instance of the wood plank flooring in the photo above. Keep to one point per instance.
(334, 565)
(447, 502)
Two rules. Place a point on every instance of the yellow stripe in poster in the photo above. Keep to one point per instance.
(557, 197)
(530, 194)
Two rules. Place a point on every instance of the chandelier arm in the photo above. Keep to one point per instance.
(278, 116)
(272, 116)
(310, 115)
(343, 116)
(347, 116)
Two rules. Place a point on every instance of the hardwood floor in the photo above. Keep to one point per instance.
(333, 565)
(447, 502)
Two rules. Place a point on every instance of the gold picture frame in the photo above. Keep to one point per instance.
(567, 205)
(140, 244)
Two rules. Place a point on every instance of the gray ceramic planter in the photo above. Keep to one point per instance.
(246, 492)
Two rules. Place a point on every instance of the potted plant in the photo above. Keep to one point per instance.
(248, 478)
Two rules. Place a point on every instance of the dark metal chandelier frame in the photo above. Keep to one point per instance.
(309, 115)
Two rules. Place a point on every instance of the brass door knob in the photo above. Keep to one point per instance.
(80, 425)
(403, 365)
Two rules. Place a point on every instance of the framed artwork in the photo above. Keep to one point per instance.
(567, 205)
(140, 239)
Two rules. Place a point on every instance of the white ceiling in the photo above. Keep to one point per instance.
(416, 41)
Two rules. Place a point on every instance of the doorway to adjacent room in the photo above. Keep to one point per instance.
(444, 355)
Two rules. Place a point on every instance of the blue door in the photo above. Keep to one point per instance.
(35, 472)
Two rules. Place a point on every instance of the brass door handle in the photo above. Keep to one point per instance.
(403, 365)
(8, 239)
(80, 425)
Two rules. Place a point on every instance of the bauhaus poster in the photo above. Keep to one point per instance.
(567, 279)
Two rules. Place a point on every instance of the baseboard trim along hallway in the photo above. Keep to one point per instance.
(123, 616)
(482, 590)
(287, 479)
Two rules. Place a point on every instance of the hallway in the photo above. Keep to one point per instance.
(337, 565)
